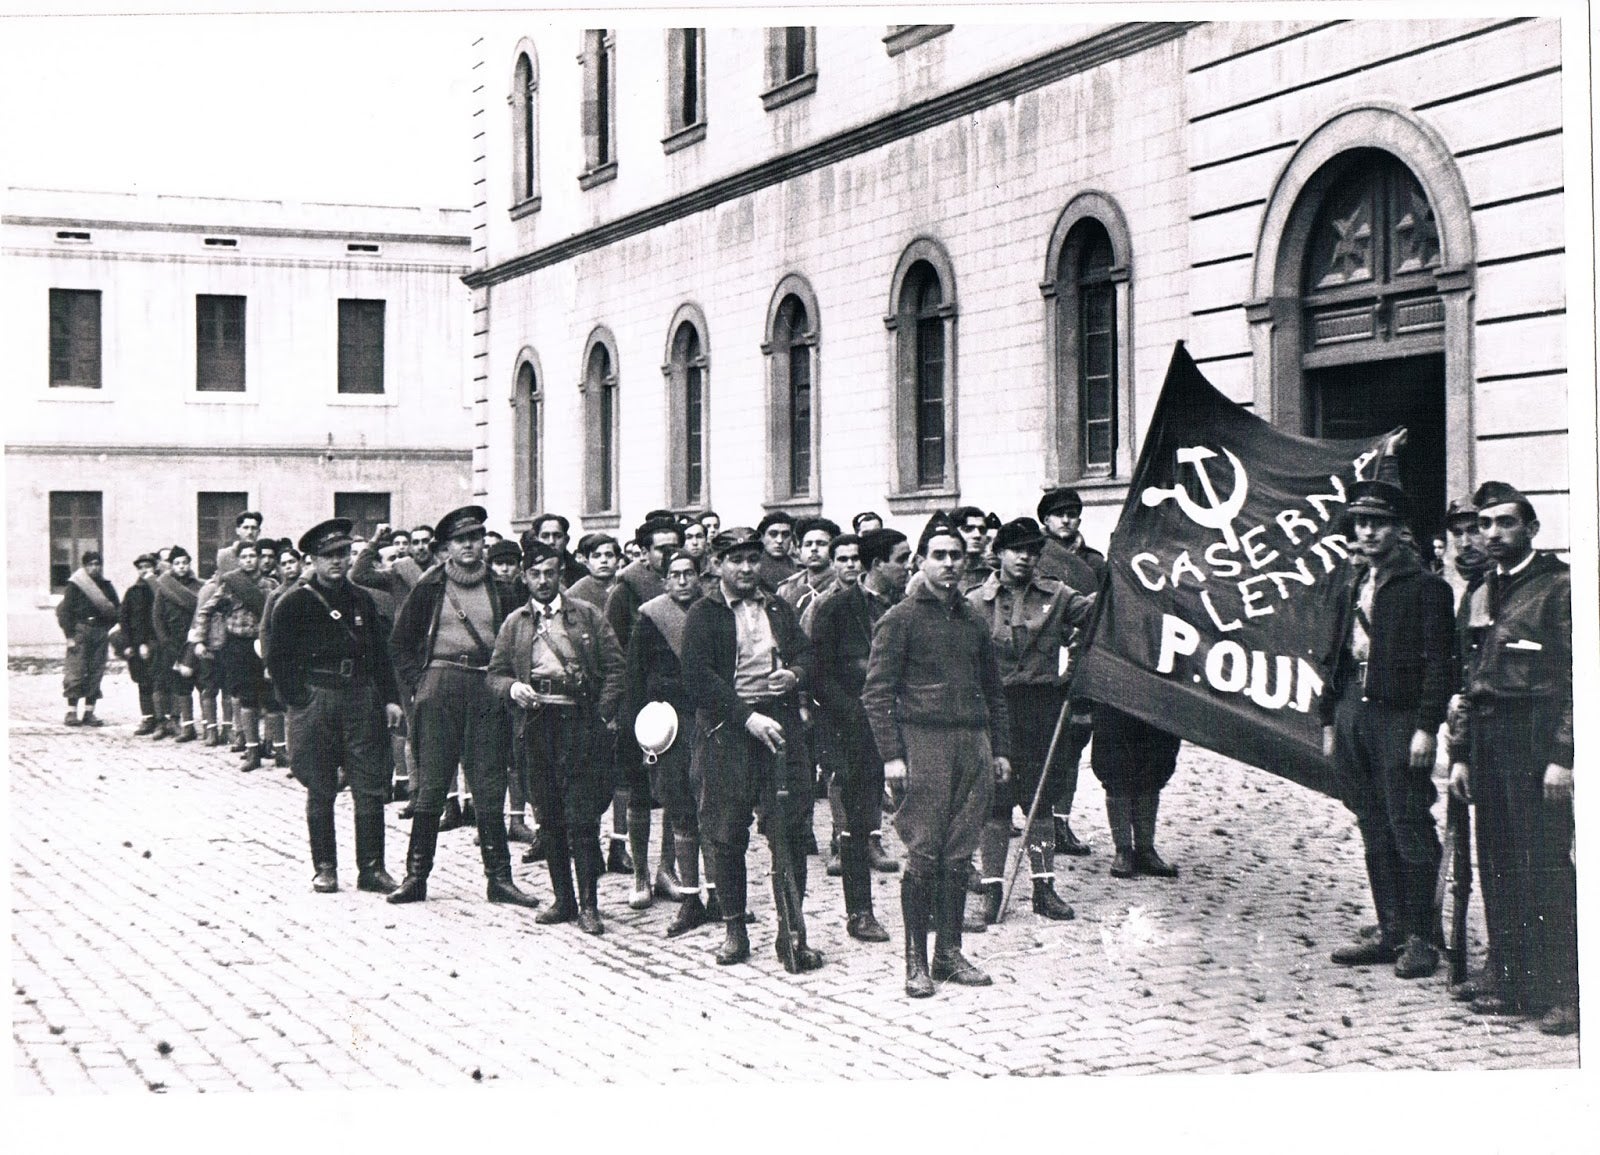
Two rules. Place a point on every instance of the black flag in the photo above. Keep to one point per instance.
(1223, 577)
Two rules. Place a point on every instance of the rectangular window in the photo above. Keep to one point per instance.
(74, 338)
(608, 408)
(694, 434)
(219, 344)
(361, 346)
(791, 65)
(366, 511)
(214, 515)
(1097, 375)
(599, 107)
(685, 78)
(930, 402)
(799, 420)
(74, 531)
(796, 61)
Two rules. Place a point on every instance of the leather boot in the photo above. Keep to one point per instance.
(1119, 814)
(517, 831)
(617, 859)
(236, 741)
(639, 852)
(713, 904)
(835, 860)
(1066, 841)
(147, 725)
(1145, 858)
(879, 858)
(251, 760)
(1046, 902)
(860, 922)
(949, 964)
(212, 735)
(369, 855)
(691, 914)
(71, 718)
(915, 901)
(324, 848)
(558, 859)
(735, 946)
(452, 817)
(667, 885)
(589, 870)
(538, 846)
(985, 912)
(326, 879)
(790, 943)
(419, 859)
(503, 889)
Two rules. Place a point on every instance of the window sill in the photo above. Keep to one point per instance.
(364, 400)
(603, 520)
(683, 137)
(804, 504)
(923, 500)
(790, 90)
(219, 397)
(1093, 490)
(597, 176)
(912, 35)
(73, 393)
(525, 208)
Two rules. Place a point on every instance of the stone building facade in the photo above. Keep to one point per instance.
(173, 361)
(912, 267)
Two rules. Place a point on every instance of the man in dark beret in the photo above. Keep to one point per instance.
(138, 638)
(87, 612)
(441, 644)
(1512, 757)
(328, 662)
(1392, 672)
(246, 527)
(776, 531)
(745, 663)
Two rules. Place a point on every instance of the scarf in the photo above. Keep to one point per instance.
(246, 590)
(91, 590)
(463, 576)
(185, 595)
(668, 617)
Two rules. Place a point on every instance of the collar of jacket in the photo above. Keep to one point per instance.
(716, 595)
(1405, 564)
(992, 585)
(926, 592)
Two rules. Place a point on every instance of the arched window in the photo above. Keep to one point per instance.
(527, 445)
(923, 321)
(794, 430)
(601, 424)
(687, 375)
(524, 101)
(1089, 416)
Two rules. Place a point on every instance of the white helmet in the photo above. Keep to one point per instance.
(655, 729)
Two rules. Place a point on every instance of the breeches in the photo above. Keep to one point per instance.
(341, 727)
(458, 722)
(949, 790)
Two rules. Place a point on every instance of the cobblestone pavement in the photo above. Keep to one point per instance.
(165, 938)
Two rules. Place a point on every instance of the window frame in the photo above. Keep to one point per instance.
(598, 107)
(356, 496)
(780, 491)
(904, 37)
(908, 493)
(598, 431)
(675, 371)
(527, 440)
(222, 535)
(524, 101)
(200, 350)
(62, 329)
(347, 369)
(1063, 450)
(782, 87)
(681, 131)
(76, 541)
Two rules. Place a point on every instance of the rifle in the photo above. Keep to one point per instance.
(1455, 875)
(1038, 793)
(785, 891)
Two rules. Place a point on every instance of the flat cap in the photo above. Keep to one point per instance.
(469, 519)
(533, 551)
(145, 559)
(1063, 499)
(1460, 507)
(505, 551)
(327, 537)
(738, 537)
(1019, 533)
(1377, 499)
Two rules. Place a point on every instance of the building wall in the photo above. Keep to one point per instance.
(1192, 138)
(149, 441)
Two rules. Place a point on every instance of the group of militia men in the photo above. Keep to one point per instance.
(796, 655)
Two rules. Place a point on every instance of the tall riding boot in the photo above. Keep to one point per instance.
(994, 847)
(419, 858)
(589, 866)
(324, 847)
(1119, 814)
(1145, 858)
(667, 885)
(949, 964)
(639, 851)
(1041, 860)
(496, 854)
(369, 854)
(558, 858)
(856, 869)
(916, 900)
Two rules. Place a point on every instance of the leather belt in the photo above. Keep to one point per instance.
(344, 671)
(461, 662)
(554, 687)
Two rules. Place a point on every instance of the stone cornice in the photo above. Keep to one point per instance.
(407, 454)
(1116, 42)
(51, 222)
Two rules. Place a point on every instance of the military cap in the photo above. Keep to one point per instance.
(1019, 533)
(178, 551)
(1063, 499)
(533, 551)
(1459, 508)
(938, 524)
(738, 537)
(469, 519)
(145, 559)
(1492, 493)
(249, 515)
(505, 551)
(992, 521)
(1377, 499)
(327, 537)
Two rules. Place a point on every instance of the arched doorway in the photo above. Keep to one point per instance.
(1362, 319)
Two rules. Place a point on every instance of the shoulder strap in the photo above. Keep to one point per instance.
(311, 588)
(477, 638)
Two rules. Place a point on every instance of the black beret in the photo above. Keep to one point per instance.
(1064, 499)
(248, 515)
(736, 538)
(992, 521)
(505, 551)
(1492, 493)
(460, 522)
(533, 552)
(89, 556)
(1019, 533)
(326, 537)
(178, 551)
(1377, 499)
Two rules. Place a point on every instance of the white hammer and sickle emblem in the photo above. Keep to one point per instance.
(1218, 514)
